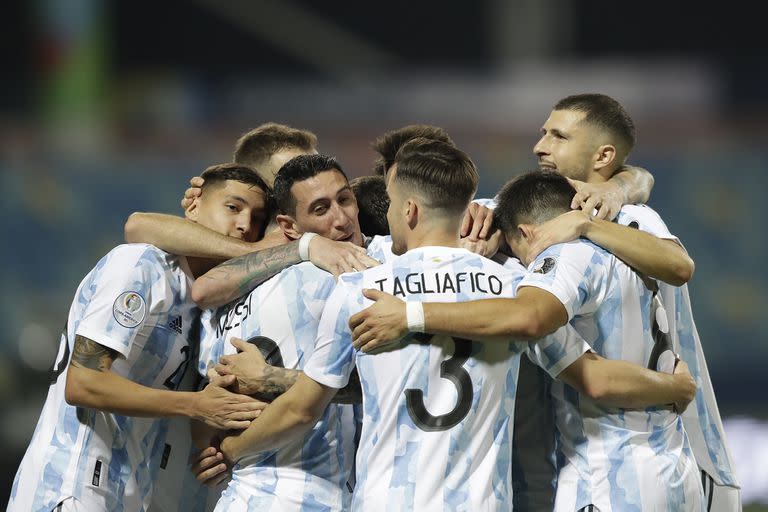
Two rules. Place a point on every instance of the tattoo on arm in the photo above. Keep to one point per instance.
(92, 355)
(250, 270)
(276, 381)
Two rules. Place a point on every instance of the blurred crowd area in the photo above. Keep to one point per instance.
(85, 141)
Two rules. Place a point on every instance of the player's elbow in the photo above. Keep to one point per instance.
(134, 227)
(76, 389)
(685, 270)
(203, 294)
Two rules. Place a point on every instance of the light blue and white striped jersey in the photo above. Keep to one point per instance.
(614, 459)
(702, 418)
(135, 301)
(437, 426)
(281, 317)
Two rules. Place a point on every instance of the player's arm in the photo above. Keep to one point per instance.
(91, 383)
(287, 418)
(660, 258)
(254, 376)
(628, 185)
(181, 236)
(532, 314)
(623, 384)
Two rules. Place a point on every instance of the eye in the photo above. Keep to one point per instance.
(320, 210)
(232, 207)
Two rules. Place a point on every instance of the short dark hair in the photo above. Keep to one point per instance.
(533, 197)
(373, 203)
(604, 112)
(298, 169)
(442, 173)
(219, 173)
(255, 147)
(390, 143)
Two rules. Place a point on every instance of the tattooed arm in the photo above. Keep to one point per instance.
(91, 384)
(238, 276)
(253, 376)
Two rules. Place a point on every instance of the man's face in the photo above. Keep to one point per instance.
(519, 246)
(395, 218)
(567, 145)
(231, 208)
(276, 161)
(326, 205)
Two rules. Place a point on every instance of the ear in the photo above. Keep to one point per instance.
(288, 225)
(192, 211)
(606, 155)
(526, 231)
(411, 212)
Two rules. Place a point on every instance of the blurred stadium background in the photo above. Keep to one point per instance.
(108, 107)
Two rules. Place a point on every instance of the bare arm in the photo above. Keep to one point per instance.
(91, 383)
(635, 183)
(623, 384)
(286, 419)
(532, 314)
(661, 259)
(181, 236)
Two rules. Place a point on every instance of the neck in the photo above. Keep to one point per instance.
(439, 236)
(200, 266)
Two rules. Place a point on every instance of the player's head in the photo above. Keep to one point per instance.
(313, 195)
(236, 202)
(586, 137)
(430, 186)
(373, 202)
(390, 143)
(268, 146)
(528, 200)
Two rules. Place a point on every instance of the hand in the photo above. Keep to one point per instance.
(209, 467)
(686, 385)
(379, 324)
(607, 197)
(339, 257)
(193, 192)
(487, 248)
(477, 223)
(222, 381)
(563, 228)
(224, 410)
(246, 368)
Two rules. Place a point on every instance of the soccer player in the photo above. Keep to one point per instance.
(127, 343)
(373, 202)
(280, 319)
(437, 410)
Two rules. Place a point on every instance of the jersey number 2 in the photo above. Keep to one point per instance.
(453, 370)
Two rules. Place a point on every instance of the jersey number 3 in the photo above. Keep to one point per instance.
(453, 370)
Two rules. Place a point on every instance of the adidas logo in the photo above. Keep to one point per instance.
(175, 324)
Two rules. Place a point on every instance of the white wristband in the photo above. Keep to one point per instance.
(304, 245)
(414, 316)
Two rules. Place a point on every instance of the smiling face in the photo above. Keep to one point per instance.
(232, 208)
(325, 204)
(568, 145)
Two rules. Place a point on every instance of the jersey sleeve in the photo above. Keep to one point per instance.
(122, 296)
(568, 272)
(556, 352)
(333, 359)
(646, 219)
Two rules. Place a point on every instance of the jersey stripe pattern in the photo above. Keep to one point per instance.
(702, 418)
(135, 301)
(614, 459)
(281, 317)
(437, 426)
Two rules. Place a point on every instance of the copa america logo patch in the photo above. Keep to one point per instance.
(545, 265)
(129, 309)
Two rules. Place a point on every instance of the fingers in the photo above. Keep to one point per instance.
(234, 425)
(373, 294)
(466, 222)
(196, 181)
(590, 204)
(240, 345)
(210, 464)
(364, 338)
(487, 225)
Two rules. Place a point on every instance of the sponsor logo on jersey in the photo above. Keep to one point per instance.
(129, 309)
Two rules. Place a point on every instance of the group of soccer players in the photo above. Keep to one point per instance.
(302, 342)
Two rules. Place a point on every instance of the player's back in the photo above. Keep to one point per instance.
(437, 427)
(135, 301)
(281, 317)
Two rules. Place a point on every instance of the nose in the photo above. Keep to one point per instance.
(341, 218)
(244, 223)
(540, 148)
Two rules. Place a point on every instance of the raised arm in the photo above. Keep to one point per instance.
(287, 418)
(623, 384)
(181, 236)
(91, 383)
(656, 257)
(532, 314)
(628, 185)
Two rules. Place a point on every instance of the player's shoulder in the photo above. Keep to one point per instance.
(636, 212)
(579, 253)
(303, 272)
(129, 256)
